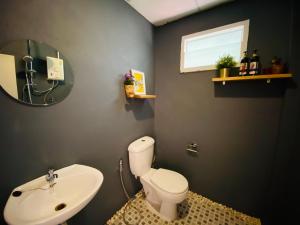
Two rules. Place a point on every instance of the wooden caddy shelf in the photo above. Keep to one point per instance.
(143, 96)
(252, 77)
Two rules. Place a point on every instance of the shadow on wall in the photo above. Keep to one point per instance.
(253, 89)
(141, 109)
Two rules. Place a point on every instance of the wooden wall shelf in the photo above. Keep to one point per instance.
(255, 77)
(143, 96)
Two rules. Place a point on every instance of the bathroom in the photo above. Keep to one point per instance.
(247, 133)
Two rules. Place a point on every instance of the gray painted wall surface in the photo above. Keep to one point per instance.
(237, 125)
(241, 128)
(284, 205)
(94, 125)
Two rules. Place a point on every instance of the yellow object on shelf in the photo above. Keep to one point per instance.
(129, 90)
(224, 72)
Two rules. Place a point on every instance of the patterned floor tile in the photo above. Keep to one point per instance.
(195, 210)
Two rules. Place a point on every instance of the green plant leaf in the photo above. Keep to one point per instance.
(226, 61)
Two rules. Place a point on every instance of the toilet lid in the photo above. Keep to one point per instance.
(169, 181)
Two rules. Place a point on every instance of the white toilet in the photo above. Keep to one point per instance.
(164, 189)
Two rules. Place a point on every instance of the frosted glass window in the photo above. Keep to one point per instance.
(201, 51)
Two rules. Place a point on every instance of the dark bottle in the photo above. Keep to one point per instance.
(244, 65)
(254, 64)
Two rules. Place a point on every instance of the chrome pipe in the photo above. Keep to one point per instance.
(28, 86)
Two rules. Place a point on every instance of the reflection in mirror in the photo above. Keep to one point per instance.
(34, 73)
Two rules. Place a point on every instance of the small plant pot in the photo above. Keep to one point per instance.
(129, 90)
(277, 68)
(224, 72)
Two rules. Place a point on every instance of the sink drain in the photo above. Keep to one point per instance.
(17, 193)
(60, 206)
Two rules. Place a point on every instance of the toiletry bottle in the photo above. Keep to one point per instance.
(254, 64)
(244, 65)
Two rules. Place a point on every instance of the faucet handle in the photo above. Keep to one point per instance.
(51, 175)
(50, 171)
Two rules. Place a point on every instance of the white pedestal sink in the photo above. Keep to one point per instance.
(37, 204)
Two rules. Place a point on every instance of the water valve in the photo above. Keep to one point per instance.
(192, 147)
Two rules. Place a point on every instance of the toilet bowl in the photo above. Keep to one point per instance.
(164, 189)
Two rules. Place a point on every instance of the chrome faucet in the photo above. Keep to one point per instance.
(50, 177)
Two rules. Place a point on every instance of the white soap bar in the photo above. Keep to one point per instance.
(55, 68)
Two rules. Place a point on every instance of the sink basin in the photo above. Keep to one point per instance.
(36, 203)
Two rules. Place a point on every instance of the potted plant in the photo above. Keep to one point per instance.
(224, 64)
(128, 84)
(277, 67)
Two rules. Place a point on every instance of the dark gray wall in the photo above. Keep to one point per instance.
(284, 195)
(237, 125)
(94, 125)
(247, 132)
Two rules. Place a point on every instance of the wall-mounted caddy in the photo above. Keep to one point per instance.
(142, 96)
(135, 85)
(255, 77)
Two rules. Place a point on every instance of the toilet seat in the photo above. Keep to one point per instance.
(169, 181)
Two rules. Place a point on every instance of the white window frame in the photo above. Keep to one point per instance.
(244, 44)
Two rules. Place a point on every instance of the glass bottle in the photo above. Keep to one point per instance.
(244, 65)
(254, 64)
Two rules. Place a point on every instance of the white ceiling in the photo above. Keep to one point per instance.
(160, 12)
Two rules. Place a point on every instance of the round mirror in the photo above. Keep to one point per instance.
(34, 73)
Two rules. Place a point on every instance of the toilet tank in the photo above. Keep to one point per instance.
(141, 155)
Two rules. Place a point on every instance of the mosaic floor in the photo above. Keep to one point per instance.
(195, 210)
